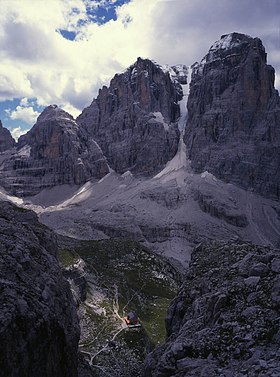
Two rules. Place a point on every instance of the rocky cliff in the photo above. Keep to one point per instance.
(54, 152)
(225, 318)
(233, 127)
(133, 120)
(38, 321)
(6, 140)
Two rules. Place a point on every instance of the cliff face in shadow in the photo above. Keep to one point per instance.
(133, 120)
(38, 321)
(233, 128)
(6, 140)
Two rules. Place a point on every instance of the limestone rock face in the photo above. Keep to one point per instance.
(180, 73)
(38, 321)
(133, 120)
(233, 128)
(54, 152)
(6, 140)
(225, 318)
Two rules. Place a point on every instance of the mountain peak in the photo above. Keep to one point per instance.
(134, 119)
(231, 46)
(228, 41)
(233, 118)
(178, 73)
(54, 112)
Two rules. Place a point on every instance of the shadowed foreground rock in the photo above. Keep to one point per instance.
(225, 319)
(39, 328)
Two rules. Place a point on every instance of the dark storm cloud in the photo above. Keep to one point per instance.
(185, 29)
(26, 42)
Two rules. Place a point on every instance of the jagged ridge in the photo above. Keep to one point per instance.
(54, 152)
(134, 119)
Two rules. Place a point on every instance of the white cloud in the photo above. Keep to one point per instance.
(17, 132)
(37, 62)
(24, 102)
(14, 82)
(27, 114)
(71, 110)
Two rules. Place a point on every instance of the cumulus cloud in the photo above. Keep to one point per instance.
(27, 114)
(14, 82)
(24, 102)
(17, 132)
(36, 61)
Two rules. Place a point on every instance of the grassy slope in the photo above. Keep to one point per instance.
(121, 276)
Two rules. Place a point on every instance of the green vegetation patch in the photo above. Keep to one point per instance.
(122, 276)
(67, 258)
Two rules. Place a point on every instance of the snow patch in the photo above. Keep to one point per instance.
(225, 43)
(183, 108)
(158, 118)
(14, 199)
(168, 69)
(134, 73)
(208, 176)
(178, 162)
(127, 174)
(176, 73)
(24, 151)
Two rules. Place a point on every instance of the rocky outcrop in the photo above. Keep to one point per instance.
(54, 152)
(179, 73)
(208, 203)
(39, 327)
(233, 128)
(225, 318)
(6, 140)
(133, 120)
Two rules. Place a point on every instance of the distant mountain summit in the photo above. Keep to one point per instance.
(130, 126)
(233, 128)
(54, 152)
(134, 120)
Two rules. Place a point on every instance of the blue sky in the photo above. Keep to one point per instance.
(102, 13)
(16, 113)
(63, 51)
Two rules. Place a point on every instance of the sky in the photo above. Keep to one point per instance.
(62, 51)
